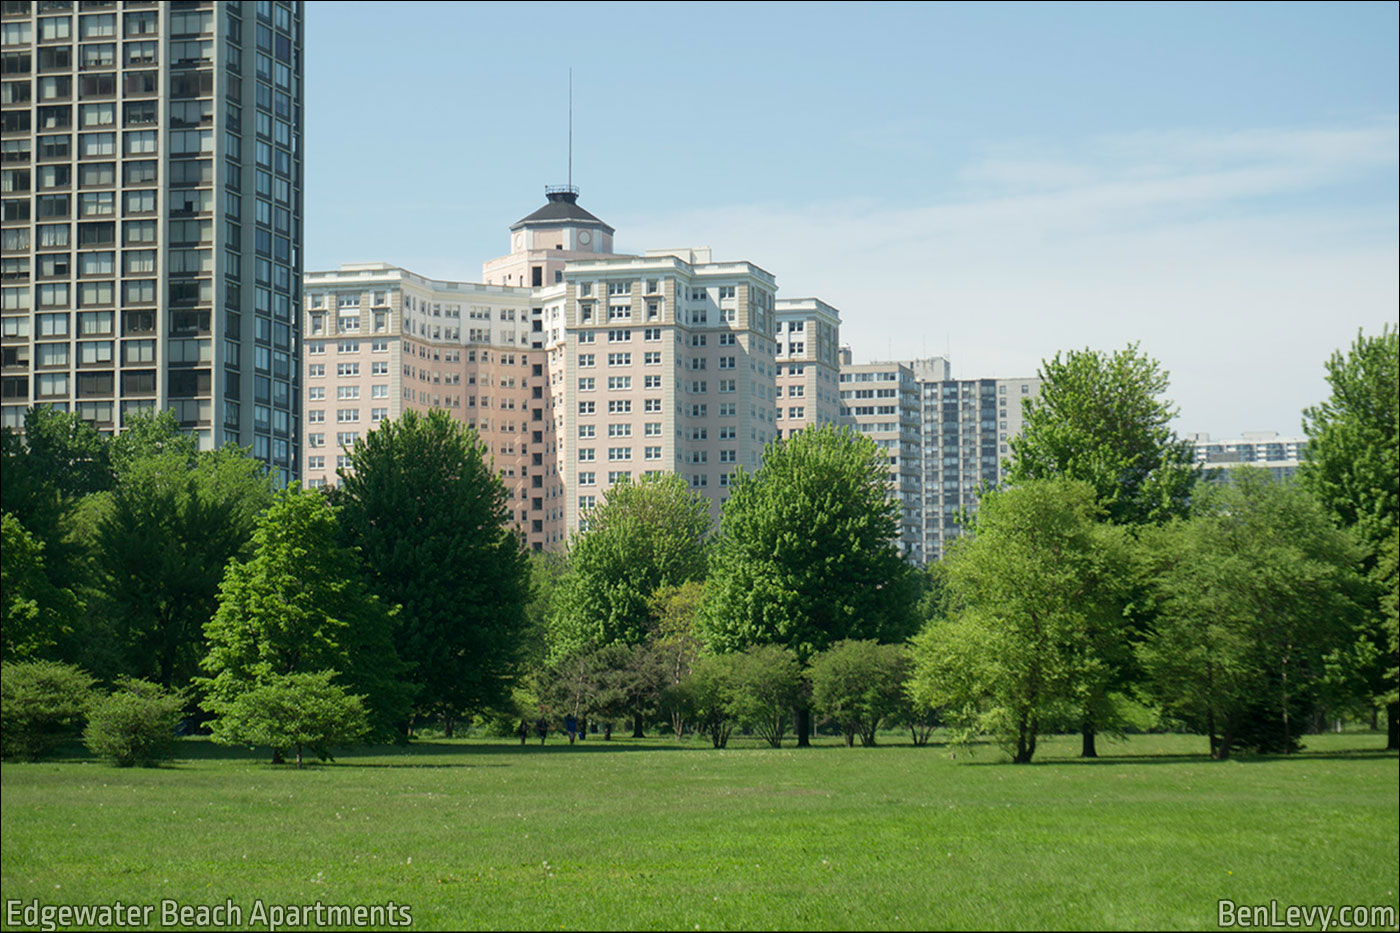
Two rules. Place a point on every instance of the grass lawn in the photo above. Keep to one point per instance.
(651, 834)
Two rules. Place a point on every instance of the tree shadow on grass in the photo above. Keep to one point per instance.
(1201, 758)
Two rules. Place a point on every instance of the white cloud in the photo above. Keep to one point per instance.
(1240, 260)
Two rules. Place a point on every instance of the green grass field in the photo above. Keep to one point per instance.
(652, 834)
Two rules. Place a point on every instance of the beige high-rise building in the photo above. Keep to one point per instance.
(382, 340)
(809, 364)
(668, 366)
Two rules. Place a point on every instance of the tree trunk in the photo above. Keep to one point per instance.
(1088, 733)
(582, 728)
(1025, 744)
(637, 732)
(277, 758)
(802, 717)
(1222, 748)
(1392, 717)
(447, 726)
(1210, 730)
(1375, 719)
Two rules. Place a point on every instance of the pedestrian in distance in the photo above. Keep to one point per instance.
(541, 728)
(523, 730)
(571, 727)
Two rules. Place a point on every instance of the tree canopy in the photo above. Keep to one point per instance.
(1254, 590)
(1099, 418)
(644, 537)
(1036, 620)
(807, 553)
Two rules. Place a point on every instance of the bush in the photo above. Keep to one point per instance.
(860, 684)
(41, 704)
(135, 725)
(766, 683)
(294, 711)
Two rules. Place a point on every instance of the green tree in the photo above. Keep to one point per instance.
(429, 518)
(135, 725)
(1353, 467)
(707, 697)
(297, 606)
(296, 711)
(860, 684)
(49, 470)
(645, 536)
(807, 554)
(37, 613)
(42, 703)
(676, 643)
(1036, 595)
(1255, 591)
(766, 684)
(1101, 419)
(166, 531)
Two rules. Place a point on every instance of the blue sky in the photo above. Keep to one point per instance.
(998, 182)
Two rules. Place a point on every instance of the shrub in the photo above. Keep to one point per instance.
(859, 684)
(41, 704)
(294, 711)
(135, 725)
(766, 681)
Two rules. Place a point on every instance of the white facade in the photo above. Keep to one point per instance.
(1264, 449)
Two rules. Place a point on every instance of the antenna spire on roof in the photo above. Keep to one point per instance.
(571, 127)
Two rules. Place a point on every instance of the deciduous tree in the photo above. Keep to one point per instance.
(298, 605)
(170, 525)
(296, 711)
(860, 684)
(1255, 591)
(807, 554)
(1353, 467)
(1101, 419)
(428, 515)
(1036, 616)
(766, 681)
(644, 537)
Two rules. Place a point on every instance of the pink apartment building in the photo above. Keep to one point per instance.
(578, 367)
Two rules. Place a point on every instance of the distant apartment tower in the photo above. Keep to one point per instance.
(809, 364)
(966, 426)
(881, 401)
(1263, 449)
(944, 438)
(152, 214)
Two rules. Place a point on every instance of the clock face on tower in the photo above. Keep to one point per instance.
(584, 237)
(519, 241)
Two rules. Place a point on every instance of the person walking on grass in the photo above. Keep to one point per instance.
(571, 727)
(523, 730)
(541, 728)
